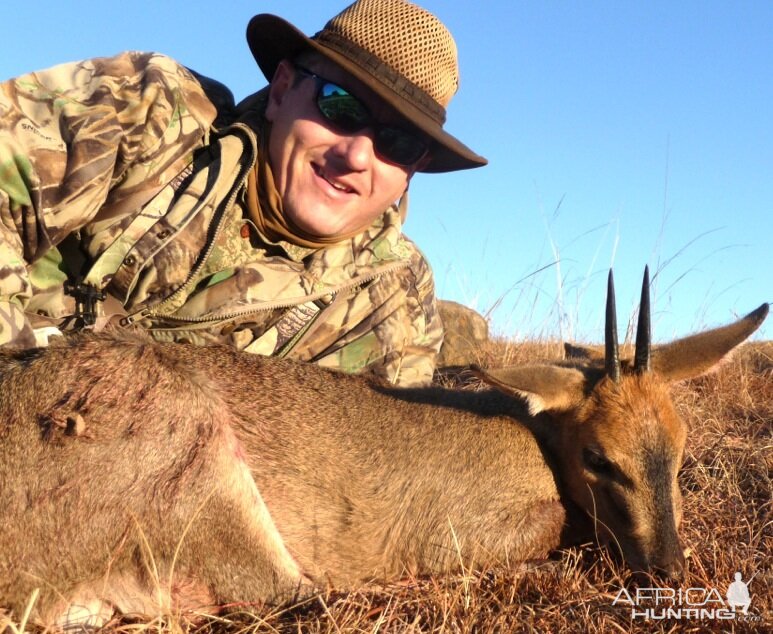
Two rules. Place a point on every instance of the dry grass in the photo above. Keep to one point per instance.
(727, 526)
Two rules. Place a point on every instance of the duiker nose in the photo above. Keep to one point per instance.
(672, 568)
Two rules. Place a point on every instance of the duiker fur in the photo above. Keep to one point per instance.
(139, 476)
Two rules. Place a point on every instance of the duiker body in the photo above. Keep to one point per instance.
(135, 474)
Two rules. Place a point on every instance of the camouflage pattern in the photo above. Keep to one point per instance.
(122, 152)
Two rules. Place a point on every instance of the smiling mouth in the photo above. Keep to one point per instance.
(337, 185)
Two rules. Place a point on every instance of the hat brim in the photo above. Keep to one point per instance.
(272, 39)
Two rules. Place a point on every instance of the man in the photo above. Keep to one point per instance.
(133, 191)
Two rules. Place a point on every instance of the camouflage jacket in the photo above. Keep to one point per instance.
(111, 170)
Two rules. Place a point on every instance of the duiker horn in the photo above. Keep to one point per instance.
(612, 350)
(642, 356)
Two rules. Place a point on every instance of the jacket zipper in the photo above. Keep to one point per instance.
(267, 306)
(151, 311)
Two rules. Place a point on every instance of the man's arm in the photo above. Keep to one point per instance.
(79, 142)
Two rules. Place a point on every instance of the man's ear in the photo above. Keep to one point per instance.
(280, 84)
(402, 205)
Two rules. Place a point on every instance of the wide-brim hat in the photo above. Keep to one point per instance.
(400, 51)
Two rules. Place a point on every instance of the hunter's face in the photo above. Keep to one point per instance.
(331, 182)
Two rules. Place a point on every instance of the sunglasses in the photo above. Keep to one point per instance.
(348, 114)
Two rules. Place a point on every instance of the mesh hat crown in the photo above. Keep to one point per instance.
(399, 50)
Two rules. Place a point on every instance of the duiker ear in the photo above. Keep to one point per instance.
(544, 387)
(698, 354)
(586, 353)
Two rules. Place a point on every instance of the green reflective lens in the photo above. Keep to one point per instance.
(347, 113)
(341, 108)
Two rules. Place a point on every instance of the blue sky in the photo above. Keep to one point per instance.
(618, 134)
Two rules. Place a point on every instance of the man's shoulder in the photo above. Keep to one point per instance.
(417, 261)
(153, 66)
(128, 64)
(219, 95)
(133, 75)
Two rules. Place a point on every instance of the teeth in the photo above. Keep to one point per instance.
(342, 188)
(338, 186)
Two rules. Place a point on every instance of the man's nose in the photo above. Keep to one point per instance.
(357, 150)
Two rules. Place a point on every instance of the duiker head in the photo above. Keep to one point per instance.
(618, 439)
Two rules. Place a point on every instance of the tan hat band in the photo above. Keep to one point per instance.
(387, 75)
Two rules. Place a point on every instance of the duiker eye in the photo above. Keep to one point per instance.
(597, 463)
